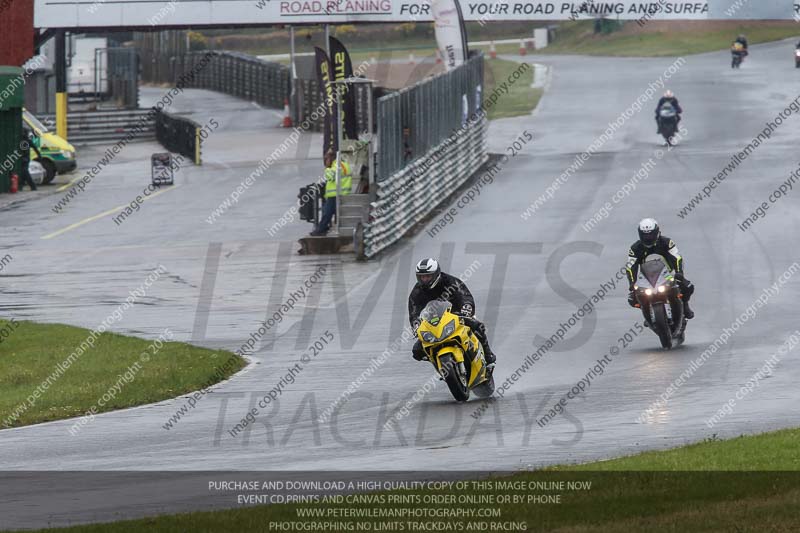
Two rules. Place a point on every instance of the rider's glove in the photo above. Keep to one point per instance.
(632, 298)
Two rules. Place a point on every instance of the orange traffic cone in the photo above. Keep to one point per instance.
(522, 50)
(492, 51)
(287, 117)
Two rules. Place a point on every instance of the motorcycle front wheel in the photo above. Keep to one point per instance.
(661, 326)
(455, 382)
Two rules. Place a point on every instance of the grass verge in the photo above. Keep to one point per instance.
(656, 38)
(731, 485)
(521, 98)
(32, 352)
(661, 38)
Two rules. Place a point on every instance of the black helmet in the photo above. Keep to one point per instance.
(649, 232)
(428, 273)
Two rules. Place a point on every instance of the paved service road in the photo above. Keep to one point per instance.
(530, 276)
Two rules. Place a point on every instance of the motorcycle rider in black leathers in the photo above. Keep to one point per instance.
(433, 284)
(652, 242)
(668, 97)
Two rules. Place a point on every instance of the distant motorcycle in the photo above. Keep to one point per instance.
(797, 58)
(659, 297)
(738, 53)
(668, 122)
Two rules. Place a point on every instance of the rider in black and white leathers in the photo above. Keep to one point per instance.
(652, 242)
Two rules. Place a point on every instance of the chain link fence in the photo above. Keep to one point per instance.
(414, 119)
(121, 75)
(236, 74)
(432, 138)
(155, 49)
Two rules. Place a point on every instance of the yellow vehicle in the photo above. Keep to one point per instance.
(58, 156)
(455, 351)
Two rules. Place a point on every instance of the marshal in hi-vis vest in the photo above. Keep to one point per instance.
(345, 180)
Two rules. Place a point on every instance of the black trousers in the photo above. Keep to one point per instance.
(25, 178)
(687, 287)
(480, 331)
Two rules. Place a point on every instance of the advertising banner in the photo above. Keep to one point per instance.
(127, 13)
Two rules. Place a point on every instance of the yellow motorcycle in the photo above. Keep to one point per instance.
(455, 351)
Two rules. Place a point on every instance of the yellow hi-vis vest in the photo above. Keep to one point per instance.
(345, 180)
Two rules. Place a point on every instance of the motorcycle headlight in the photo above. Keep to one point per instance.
(661, 288)
(427, 336)
(67, 154)
(449, 329)
(648, 291)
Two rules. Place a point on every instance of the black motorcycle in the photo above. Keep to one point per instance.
(659, 297)
(668, 122)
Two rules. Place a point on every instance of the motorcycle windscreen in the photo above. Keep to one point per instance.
(654, 271)
(434, 311)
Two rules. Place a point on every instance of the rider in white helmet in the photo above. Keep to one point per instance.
(652, 242)
(670, 98)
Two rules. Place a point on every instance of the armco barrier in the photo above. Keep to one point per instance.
(240, 75)
(179, 135)
(411, 194)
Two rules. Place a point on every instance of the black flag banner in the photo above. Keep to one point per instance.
(343, 68)
(324, 77)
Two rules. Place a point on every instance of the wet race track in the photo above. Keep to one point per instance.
(530, 268)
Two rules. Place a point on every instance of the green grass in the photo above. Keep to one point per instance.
(731, 485)
(779, 450)
(673, 40)
(32, 351)
(521, 99)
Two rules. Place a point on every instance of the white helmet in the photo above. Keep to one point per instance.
(428, 273)
(649, 232)
(668, 94)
